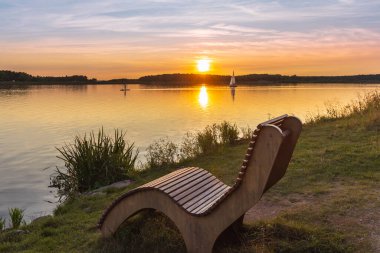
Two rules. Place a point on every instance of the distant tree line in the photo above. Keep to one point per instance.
(118, 81)
(12, 76)
(183, 79)
(265, 78)
(254, 79)
(7, 76)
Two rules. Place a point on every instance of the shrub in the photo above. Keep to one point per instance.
(228, 133)
(93, 161)
(2, 223)
(164, 152)
(246, 132)
(189, 147)
(17, 216)
(207, 139)
(161, 152)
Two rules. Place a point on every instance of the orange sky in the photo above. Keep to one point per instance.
(114, 40)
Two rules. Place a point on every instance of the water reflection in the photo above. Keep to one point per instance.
(203, 97)
(13, 90)
(25, 89)
(233, 93)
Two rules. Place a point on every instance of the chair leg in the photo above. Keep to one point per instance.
(204, 242)
(232, 232)
(200, 243)
(198, 249)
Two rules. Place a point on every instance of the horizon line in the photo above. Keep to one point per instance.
(200, 74)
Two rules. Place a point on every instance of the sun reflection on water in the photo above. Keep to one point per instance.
(203, 97)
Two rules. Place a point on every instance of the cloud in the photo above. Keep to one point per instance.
(346, 1)
(139, 30)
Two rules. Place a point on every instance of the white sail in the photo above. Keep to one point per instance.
(232, 82)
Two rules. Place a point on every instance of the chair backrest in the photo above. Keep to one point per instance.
(291, 127)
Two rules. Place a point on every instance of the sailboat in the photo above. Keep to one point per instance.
(233, 82)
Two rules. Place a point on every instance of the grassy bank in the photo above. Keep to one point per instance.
(328, 201)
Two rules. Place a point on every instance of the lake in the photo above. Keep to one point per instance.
(37, 119)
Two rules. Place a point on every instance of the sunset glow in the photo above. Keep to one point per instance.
(113, 39)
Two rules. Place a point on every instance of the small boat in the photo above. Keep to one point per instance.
(233, 82)
(125, 88)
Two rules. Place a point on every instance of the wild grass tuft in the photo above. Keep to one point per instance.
(93, 161)
(2, 223)
(17, 216)
(367, 106)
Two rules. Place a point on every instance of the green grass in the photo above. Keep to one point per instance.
(327, 202)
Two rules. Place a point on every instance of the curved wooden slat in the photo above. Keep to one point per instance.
(178, 176)
(192, 206)
(191, 186)
(172, 186)
(198, 191)
(167, 177)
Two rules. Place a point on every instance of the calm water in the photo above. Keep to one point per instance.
(36, 120)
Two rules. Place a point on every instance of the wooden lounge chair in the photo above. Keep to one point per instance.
(202, 206)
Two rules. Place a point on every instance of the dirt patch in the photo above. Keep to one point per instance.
(362, 219)
(268, 208)
(366, 219)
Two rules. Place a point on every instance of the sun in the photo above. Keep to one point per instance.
(203, 65)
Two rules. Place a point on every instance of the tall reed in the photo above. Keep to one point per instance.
(367, 105)
(2, 223)
(17, 216)
(93, 161)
